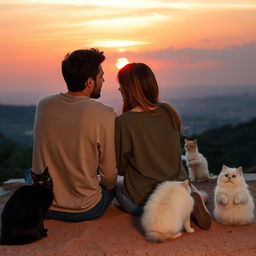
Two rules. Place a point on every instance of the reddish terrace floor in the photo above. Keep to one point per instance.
(118, 233)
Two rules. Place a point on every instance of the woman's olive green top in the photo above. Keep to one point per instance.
(148, 152)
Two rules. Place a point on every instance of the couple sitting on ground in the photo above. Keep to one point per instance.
(74, 135)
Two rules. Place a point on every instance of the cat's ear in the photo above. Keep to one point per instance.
(186, 183)
(195, 141)
(46, 171)
(186, 140)
(224, 167)
(34, 176)
(240, 170)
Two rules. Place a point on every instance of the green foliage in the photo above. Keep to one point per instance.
(15, 158)
(233, 146)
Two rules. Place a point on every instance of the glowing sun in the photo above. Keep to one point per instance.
(121, 62)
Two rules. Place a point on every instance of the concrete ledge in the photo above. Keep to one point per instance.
(12, 184)
(250, 176)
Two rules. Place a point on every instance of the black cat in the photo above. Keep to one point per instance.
(23, 214)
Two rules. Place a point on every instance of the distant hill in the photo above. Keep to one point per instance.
(16, 122)
(233, 146)
(200, 114)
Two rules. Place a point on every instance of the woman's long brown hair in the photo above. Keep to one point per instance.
(139, 87)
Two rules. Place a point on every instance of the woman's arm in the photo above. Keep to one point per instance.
(122, 145)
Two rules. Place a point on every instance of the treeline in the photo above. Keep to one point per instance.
(233, 146)
(15, 158)
(16, 122)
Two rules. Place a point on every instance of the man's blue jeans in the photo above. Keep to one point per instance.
(94, 213)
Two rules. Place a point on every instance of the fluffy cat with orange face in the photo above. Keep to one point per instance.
(233, 202)
(167, 211)
(196, 162)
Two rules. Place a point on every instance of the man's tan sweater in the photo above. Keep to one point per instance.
(73, 136)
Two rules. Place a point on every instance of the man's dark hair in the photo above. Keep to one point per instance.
(78, 66)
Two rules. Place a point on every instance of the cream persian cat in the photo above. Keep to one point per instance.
(233, 202)
(167, 211)
(196, 162)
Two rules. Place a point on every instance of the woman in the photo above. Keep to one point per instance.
(148, 147)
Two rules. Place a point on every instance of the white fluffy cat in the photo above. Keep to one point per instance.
(233, 202)
(196, 162)
(167, 211)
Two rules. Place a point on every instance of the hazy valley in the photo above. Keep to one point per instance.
(198, 115)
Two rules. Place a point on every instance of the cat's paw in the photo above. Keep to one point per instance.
(177, 235)
(223, 200)
(191, 164)
(237, 201)
(240, 200)
(190, 230)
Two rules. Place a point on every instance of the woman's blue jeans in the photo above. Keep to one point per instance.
(125, 202)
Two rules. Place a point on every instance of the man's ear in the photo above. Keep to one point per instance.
(90, 82)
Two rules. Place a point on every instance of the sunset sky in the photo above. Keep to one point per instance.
(186, 43)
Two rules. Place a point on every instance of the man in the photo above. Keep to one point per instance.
(74, 136)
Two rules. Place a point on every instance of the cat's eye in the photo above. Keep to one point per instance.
(226, 175)
(233, 176)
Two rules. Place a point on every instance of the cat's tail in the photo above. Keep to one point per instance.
(212, 177)
(20, 240)
(157, 237)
